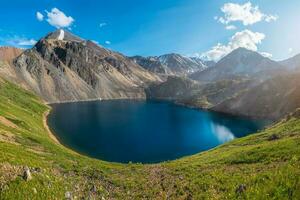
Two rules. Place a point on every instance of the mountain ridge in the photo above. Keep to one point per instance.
(171, 64)
(62, 67)
(240, 62)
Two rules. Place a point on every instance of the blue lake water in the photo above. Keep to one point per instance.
(143, 131)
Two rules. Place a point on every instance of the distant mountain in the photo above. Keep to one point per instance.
(171, 64)
(152, 64)
(181, 64)
(272, 99)
(7, 54)
(64, 67)
(240, 63)
(292, 63)
(207, 63)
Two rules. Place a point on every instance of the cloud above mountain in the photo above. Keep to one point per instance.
(26, 42)
(245, 38)
(18, 41)
(58, 19)
(39, 16)
(245, 13)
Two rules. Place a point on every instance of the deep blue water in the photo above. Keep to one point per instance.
(143, 131)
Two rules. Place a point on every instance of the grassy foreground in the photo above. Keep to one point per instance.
(265, 165)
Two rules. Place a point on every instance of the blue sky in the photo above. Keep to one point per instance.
(144, 27)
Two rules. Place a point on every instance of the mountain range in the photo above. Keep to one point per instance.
(62, 67)
(172, 64)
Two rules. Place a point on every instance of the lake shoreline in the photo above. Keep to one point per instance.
(46, 126)
(96, 99)
(126, 120)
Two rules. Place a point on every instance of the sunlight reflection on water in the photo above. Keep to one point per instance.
(222, 133)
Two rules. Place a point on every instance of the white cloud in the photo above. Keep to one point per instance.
(245, 13)
(58, 19)
(107, 42)
(291, 50)
(26, 42)
(102, 24)
(266, 54)
(230, 27)
(39, 16)
(270, 18)
(246, 39)
(17, 41)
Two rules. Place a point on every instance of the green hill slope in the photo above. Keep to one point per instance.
(265, 165)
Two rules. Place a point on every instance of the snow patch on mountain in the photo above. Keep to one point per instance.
(61, 35)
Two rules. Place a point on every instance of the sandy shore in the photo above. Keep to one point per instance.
(89, 100)
(51, 135)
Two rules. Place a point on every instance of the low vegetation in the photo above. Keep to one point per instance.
(265, 165)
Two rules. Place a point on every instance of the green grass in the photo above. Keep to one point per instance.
(268, 169)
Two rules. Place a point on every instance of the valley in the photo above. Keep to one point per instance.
(71, 69)
(62, 67)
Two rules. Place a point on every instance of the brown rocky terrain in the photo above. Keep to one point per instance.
(63, 67)
(7, 54)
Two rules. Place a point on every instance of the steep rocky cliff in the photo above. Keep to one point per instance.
(63, 67)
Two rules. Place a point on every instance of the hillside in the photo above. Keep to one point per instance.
(69, 68)
(271, 99)
(265, 165)
(198, 95)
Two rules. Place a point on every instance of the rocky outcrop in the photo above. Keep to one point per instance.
(63, 67)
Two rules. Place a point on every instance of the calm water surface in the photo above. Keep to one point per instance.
(143, 131)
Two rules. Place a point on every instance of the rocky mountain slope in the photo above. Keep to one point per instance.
(63, 67)
(174, 88)
(240, 63)
(152, 64)
(191, 93)
(171, 64)
(272, 99)
(207, 63)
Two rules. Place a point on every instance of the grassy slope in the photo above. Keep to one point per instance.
(269, 169)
